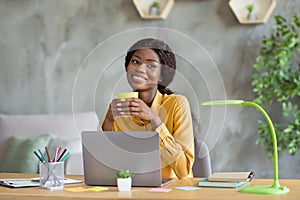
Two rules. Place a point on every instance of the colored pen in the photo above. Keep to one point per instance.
(47, 153)
(42, 155)
(59, 150)
(55, 155)
(65, 157)
(37, 155)
(61, 155)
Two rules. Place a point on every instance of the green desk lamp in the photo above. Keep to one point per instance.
(258, 189)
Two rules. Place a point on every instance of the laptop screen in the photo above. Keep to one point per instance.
(106, 153)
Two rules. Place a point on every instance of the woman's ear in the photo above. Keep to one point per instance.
(159, 80)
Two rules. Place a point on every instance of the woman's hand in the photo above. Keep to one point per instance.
(135, 107)
(109, 120)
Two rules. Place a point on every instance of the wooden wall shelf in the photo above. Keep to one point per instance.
(143, 7)
(262, 8)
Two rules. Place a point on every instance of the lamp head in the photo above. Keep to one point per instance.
(223, 102)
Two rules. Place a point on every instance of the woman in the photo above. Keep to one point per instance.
(150, 67)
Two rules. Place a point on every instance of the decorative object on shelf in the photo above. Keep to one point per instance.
(144, 8)
(276, 81)
(124, 180)
(263, 10)
(275, 188)
(251, 15)
(154, 8)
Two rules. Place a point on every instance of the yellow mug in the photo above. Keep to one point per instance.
(125, 95)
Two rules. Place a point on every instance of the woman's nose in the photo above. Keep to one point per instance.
(142, 67)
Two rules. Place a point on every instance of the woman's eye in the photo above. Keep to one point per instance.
(134, 61)
(151, 65)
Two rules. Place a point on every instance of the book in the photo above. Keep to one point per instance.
(232, 176)
(29, 182)
(221, 184)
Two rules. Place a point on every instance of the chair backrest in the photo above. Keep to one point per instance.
(202, 165)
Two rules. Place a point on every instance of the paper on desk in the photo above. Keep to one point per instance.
(187, 188)
(31, 182)
(159, 190)
(66, 180)
(18, 183)
(81, 189)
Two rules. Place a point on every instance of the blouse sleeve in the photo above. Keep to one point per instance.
(177, 148)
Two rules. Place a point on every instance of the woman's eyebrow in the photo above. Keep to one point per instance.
(137, 56)
(148, 59)
(152, 60)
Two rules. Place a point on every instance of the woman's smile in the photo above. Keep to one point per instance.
(137, 78)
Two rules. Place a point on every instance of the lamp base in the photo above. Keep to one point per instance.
(264, 189)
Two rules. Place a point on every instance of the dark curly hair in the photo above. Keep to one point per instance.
(166, 58)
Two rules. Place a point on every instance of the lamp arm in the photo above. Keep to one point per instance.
(272, 129)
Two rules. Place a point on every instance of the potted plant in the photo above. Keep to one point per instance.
(124, 180)
(276, 82)
(251, 14)
(154, 7)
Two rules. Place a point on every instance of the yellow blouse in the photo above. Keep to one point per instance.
(176, 133)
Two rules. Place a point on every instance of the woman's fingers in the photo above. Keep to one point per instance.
(124, 106)
(129, 106)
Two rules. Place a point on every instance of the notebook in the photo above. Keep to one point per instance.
(29, 182)
(221, 184)
(232, 176)
(106, 153)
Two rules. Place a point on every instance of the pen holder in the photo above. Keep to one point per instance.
(52, 175)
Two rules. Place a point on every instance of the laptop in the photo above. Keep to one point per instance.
(105, 153)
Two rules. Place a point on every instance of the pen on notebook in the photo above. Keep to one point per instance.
(47, 153)
(61, 155)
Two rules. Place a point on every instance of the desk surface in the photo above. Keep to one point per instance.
(142, 192)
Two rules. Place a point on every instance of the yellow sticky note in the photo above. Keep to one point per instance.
(76, 189)
(81, 189)
(97, 189)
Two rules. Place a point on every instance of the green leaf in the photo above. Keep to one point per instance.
(279, 19)
(124, 174)
(276, 80)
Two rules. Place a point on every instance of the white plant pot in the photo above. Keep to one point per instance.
(124, 184)
(153, 11)
(251, 16)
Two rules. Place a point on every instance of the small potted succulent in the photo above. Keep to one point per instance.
(124, 180)
(251, 14)
(154, 7)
